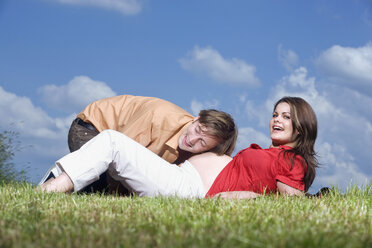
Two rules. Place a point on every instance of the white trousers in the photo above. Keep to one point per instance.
(137, 168)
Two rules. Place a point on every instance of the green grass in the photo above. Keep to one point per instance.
(32, 219)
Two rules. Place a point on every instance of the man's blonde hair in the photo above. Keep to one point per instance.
(222, 126)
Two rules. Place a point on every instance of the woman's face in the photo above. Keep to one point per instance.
(281, 129)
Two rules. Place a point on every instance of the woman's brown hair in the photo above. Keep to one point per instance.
(304, 121)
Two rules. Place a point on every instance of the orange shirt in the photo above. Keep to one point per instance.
(152, 122)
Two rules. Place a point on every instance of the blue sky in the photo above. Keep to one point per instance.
(57, 56)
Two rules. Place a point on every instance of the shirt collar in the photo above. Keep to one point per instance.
(173, 141)
(285, 147)
(282, 147)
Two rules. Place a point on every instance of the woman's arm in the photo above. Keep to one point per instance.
(284, 189)
(237, 195)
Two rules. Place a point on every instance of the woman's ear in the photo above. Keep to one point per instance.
(296, 135)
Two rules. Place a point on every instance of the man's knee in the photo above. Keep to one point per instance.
(78, 136)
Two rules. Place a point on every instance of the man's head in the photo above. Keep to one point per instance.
(213, 131)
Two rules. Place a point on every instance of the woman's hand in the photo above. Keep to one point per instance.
(284, 189)
(236, 195)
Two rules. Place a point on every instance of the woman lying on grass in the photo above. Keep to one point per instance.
(287, 167)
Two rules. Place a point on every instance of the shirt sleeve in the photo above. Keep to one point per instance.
(294, 176)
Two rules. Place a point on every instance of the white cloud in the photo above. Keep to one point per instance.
(74, 96)
(126, 7)
(349, 66)
(42, 138)
(298, 83)
(196, 106)
(287, 58)
(343, 172)
(22, 116)
(209, 62)
(349, 100)
(248, 135)
(258, 114)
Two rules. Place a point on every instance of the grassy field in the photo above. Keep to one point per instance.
(33, 219)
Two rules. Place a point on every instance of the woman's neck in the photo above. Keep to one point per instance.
(276, 145)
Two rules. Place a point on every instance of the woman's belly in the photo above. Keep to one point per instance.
(209, 165)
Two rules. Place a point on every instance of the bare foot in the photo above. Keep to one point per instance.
(62, 183)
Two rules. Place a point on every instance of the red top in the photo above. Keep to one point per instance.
(258, 170)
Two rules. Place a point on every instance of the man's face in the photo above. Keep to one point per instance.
(195, 138)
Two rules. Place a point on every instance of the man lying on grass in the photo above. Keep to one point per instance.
(161, 126)
(287, 166)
